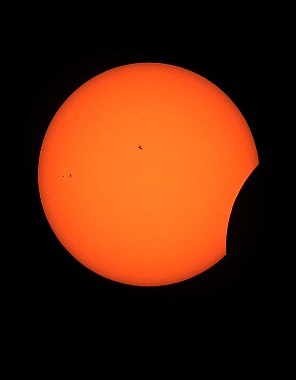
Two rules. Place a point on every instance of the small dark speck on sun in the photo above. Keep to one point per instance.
(140, 147)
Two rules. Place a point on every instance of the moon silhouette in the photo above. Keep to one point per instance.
(139, 170)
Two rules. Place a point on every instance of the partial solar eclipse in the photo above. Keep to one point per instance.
(139, 170)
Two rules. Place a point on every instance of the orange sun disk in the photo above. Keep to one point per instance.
(139, 170)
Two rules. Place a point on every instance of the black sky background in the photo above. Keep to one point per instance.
(244, 306)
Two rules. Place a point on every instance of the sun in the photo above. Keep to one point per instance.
(139, 170)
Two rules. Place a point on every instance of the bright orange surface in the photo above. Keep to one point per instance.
(139, 170)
